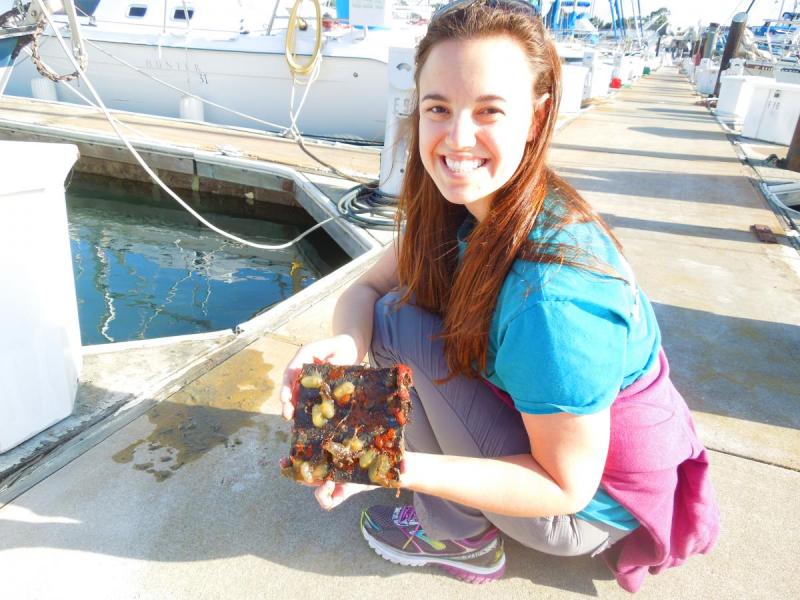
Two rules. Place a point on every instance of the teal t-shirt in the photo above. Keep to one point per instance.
(565, 339)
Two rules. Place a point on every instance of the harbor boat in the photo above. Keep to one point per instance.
(235, 62)
(274, 66)
(775, 35)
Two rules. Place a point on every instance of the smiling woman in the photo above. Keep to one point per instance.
(542, 406)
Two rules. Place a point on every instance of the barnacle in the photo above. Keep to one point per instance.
(312, 380)
(328, 409)
(320, 471)
(379, 468)
(343, 389)
(317, 418)
(354, 443)
(367, 458)
(303, 470)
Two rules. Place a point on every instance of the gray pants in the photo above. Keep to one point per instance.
(463, 417)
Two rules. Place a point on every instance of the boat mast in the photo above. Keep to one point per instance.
(613, 17)
(641, 19)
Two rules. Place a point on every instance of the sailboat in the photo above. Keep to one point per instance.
(226, 62)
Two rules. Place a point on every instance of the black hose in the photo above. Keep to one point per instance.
(366, 206)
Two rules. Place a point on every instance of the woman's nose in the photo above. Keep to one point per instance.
(462, 132)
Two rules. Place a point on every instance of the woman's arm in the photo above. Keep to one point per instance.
(560, 476)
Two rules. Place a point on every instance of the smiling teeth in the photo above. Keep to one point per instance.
(464, 166)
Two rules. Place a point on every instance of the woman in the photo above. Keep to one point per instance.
(543, 406)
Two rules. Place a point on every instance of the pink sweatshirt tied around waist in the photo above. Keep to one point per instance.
(658, 470)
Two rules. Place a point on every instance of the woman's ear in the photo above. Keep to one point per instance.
(539, 110)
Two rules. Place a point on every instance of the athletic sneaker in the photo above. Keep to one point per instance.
(396, 535)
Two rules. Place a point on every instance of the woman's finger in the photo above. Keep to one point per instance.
(287, 402)
(324, 495)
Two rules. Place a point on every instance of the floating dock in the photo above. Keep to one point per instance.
(204, 158)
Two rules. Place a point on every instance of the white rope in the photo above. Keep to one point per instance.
(114, 124)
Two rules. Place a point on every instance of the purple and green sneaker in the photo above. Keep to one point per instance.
(395, 534)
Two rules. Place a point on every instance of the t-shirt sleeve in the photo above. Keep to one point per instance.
(562, 356)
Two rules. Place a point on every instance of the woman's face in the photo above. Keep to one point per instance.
(476, 115)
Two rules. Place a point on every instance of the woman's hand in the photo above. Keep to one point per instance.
(338, 350)
(330, 494)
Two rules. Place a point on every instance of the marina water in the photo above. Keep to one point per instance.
(144, 271)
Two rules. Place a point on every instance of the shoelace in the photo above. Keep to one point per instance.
(406, 516)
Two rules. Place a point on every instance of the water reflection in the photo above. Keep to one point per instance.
(143, 272)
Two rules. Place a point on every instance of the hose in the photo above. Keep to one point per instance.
(307, 68)
(366, 206)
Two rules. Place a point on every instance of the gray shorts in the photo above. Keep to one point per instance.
(463, 417)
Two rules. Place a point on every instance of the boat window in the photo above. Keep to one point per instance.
(137, 10)
(183, 14)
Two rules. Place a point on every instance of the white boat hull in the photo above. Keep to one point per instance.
(348, 100)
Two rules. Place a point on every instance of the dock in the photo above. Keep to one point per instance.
(204, 158)
(178, 495)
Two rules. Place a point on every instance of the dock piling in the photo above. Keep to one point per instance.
(793, 155)
(735, 33)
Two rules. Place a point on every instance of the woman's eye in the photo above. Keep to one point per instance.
(491, 110)
(437, 110)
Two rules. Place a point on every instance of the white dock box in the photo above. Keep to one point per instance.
(573, 82)
(599, 76)
(40, 345)
(773, 114)
(735, 95)
(706, 78)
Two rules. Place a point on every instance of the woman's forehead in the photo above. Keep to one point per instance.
(485, 66)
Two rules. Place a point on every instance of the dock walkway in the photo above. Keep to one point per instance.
(186, 500)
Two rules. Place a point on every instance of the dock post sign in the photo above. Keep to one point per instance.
(372, 13)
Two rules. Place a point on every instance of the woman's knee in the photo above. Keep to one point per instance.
(396, 324)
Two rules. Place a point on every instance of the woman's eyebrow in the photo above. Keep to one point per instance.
(490, 98)
(484, 98)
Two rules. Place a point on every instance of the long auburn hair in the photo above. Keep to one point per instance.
(465, 294)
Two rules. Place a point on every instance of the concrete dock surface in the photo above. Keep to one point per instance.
(186, 502)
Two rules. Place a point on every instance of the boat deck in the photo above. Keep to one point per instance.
(119, 521)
